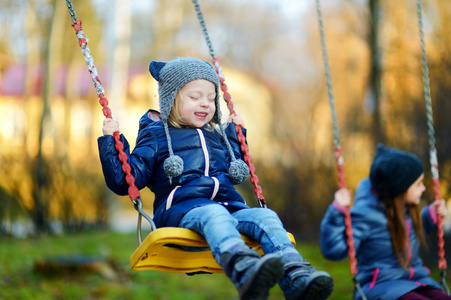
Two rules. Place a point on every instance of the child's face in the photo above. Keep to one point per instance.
(414, 192)
(198, 105)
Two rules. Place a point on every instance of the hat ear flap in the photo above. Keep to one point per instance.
(155, 68)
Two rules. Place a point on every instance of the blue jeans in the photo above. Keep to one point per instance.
(221, 230)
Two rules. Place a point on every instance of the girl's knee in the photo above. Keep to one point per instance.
(217, 210)
(269, 215)
(210, 216)
(216, 213)
(264, 218)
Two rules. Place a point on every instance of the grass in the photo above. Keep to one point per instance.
(19, 280)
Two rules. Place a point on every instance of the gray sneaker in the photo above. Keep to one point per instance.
(252, 275)
(261, 278)
(309, 284)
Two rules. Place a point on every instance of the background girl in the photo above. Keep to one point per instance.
(387, 228)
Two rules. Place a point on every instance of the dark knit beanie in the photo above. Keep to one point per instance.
(171, 77)
(394, 171)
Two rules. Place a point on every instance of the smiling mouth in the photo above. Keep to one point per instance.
(201, 114)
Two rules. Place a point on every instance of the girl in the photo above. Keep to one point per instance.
(191, 163)
(387, 227)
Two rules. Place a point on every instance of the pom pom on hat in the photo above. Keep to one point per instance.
(238, 171)
(173, 166)
(394, 171)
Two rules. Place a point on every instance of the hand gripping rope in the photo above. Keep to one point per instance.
(442, 265)
(133, 191)
(244, 148)
(338, 153)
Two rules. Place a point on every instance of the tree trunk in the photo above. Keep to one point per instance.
(375, 77)
(42, 172)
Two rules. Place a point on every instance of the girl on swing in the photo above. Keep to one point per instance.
(387, 228)
(191, 162)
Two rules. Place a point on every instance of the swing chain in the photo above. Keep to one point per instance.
(358, 288)
(442, 264)
(72, 13)
(133, 191)
(426, 83)
(338, 151)
(83, 43)
(330, 91)
(443, 281)
(137, 203)
(244, 148)
(204, 28)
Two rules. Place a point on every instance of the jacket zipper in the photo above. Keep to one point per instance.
(204, 149)
(207, 163)
(206, 172)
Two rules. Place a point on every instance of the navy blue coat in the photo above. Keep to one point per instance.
(204, 181)
(379, 272)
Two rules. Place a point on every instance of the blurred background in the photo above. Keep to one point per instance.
(270, 51)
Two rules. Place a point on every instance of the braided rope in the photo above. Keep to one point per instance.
(432, 150)
(244, 148)
(338, 150)
(133, 191)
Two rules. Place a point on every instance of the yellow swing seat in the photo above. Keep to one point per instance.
(161, 250)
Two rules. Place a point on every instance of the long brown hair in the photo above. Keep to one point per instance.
(396, 214)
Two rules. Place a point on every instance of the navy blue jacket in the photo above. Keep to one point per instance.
(204, 181)
(379, 272)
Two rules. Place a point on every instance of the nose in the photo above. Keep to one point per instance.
(204, 102)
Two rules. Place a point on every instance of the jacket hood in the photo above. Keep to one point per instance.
(150, 117)
(365, 195)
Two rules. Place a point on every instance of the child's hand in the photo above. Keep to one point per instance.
(440, 207)
(110, 126)
(236, 119)
(343, 197)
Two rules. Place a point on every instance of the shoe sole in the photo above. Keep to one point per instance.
(319, 288)
(269, 271)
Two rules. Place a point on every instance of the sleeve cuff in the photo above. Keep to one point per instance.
(432, 213)
(339, 207)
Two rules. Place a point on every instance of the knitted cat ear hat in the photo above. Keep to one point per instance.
(171, 77)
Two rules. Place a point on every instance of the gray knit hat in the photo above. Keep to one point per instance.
(171, 77)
